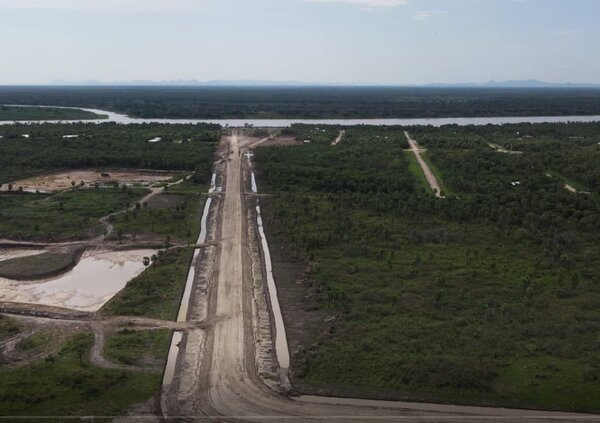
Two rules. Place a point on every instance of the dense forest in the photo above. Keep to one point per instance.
(45, 113)
(489, 296)
(313, 102)
(30, 149)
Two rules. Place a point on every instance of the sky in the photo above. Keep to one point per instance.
(325, 41)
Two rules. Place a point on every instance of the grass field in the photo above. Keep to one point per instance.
(8, 327)
(139, 348)
(156, 292)
(66, 384)
(68, 215)
(175, 213)
(417, 172)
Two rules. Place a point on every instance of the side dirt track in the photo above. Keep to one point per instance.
(429, 175)
(223, 359)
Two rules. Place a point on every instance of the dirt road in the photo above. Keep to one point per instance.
(223, 356)
(503, 150)
(337, 140)
(431, 179)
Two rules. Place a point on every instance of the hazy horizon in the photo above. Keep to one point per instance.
(340, 42)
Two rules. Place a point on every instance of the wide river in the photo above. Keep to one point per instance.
(281, 123)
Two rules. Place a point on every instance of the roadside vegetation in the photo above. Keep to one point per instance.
(139, 348)
(68, 215)
(66, 384)
(8, 327)
(157, 292)
(174, 214)
(490, 296)
(46, 113)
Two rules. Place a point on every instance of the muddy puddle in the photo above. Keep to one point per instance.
(172, 358)
(98, 277)
(185, 300)
(281, 345)
(187, 292)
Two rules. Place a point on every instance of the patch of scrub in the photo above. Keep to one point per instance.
(88, 286)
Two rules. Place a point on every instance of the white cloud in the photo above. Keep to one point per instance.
(369, 4)
(423, 15)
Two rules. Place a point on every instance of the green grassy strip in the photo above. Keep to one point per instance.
(139, 348)
(568, 181)
(415, 169)
(438, 174)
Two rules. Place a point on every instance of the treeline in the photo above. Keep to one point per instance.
(352, 167)
(45, 113)
(313, 102)
(30, 149)
(442, 298)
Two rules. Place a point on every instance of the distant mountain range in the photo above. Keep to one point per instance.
(531, 83)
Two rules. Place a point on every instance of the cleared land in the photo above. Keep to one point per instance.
(60, 181)
(87, 361)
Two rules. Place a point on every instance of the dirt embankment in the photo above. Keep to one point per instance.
(42, 266)
(305, 322)
(37, 310)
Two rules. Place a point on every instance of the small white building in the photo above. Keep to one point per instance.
(157, 139)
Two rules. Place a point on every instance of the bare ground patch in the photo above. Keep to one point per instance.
(58, 181)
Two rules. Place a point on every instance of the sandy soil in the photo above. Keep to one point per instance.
(222, 362)
(431, 179)
(276, 140)
(571, 188)
(501, 149)
(62, 180)
(337, 140)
